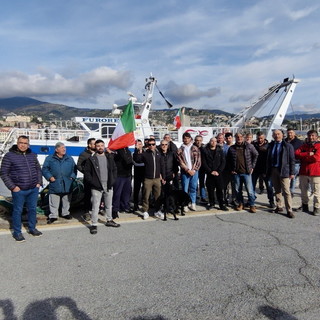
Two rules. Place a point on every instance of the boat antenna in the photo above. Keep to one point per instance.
(170, 105)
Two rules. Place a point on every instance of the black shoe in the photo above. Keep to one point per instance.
(278, 210)
(19, 237)
(129, 210)
(67, 217)
(316, 212)
(35, 233)
(209, 206)
(305, 208)
(86, 217)
(203, 200)
(93, 230)
(111, 223)
(224, 208)
(135, 208)
(290, 215)
(115, 214)
(272, 205)
(51, 220)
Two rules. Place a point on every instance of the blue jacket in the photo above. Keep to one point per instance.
(64, 170)
(20, 169)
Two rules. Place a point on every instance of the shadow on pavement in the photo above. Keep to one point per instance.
(275, 313)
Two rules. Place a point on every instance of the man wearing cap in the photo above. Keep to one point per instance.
(60, 170)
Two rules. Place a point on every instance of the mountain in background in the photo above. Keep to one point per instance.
(33, 107)
(47, 110)
(18, 102)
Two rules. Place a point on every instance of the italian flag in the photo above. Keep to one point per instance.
(123, 134)
(177, 119)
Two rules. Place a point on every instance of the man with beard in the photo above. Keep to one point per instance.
(83, 157)
(309, 156)
(260, 170)
(241, 160)
(189, 159)
(101, 172)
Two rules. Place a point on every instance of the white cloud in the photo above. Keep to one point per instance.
(88, 85)
(188, 92)
(302, 13)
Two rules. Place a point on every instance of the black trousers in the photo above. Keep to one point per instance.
(214, 185)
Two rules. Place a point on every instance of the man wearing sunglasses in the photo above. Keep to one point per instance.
(154, 173)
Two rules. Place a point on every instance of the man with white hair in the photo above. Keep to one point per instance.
(60, 170)
(281, 168)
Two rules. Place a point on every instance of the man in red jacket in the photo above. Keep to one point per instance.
(309, 155)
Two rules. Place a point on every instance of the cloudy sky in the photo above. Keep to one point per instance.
(205, 53)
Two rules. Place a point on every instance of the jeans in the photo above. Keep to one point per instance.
(189, 185)
(293, 181)
(247, 180)
(121, 194)
(268, 183)
(29, 198)
(202, 188)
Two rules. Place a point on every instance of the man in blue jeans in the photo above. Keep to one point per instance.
(21, 173)
(241, 160)
(189, 158)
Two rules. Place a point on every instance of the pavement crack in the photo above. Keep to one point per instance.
(305, 263)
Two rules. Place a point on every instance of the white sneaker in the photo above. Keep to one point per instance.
(185, 209)
(159, 215)
(193, 207)
(145, 215)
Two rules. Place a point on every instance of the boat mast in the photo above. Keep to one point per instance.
(247, 113)
(278, 117)
(146, 106)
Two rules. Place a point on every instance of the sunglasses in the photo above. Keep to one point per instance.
(151, 144)
(164, 144)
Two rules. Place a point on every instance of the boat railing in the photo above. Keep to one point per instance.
(52, 134)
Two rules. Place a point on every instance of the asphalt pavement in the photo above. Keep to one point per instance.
(208, 265)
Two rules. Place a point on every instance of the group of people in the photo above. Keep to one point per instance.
(217, 173)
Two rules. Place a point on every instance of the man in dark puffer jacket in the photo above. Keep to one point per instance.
(21, 173)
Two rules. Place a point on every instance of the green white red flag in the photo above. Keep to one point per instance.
(123, 134)
(177, 119)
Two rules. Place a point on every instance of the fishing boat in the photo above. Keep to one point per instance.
(42, 141)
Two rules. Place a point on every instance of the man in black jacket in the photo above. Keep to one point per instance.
(83, 157)
(122, 188)
(154, 174)
(213, 163)
(101, 172)
(261, 145)
(170, 166)
(241, 160)
(296, 143)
